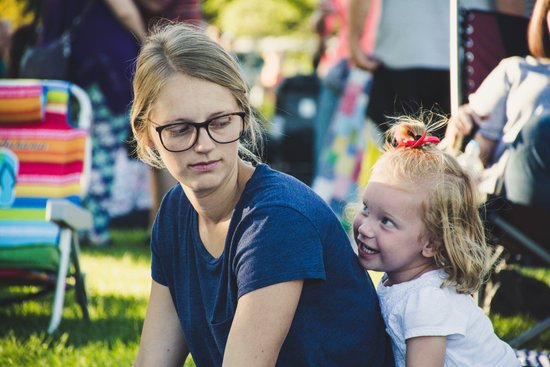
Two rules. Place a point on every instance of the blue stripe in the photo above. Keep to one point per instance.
(27, 232)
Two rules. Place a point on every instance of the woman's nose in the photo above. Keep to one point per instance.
(204, 141)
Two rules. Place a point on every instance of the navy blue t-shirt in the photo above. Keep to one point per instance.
(280, 231)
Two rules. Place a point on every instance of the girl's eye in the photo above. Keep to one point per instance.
(365, 210)
(387, 222)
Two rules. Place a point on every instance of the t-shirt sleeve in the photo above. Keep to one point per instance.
(276, 245)
(431, 312)
(489, 100)
(157, 272)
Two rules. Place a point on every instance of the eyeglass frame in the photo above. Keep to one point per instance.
(198, 126)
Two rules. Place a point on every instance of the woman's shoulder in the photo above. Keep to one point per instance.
(521, 65)
(272, 187)
(270, 191)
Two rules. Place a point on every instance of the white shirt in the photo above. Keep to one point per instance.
(421, 307)
(516, 90)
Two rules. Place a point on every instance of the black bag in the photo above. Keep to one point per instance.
(47, 62)
(51, 61)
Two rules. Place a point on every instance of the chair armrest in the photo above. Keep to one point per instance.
(66, 214)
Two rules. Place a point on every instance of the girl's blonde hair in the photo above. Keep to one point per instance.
(450, 209)
(178, 48)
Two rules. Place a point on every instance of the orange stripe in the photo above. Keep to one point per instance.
(47, 191)
(14, 104)
(51, 158)
(27, 116)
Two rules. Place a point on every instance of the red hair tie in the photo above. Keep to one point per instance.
(418, 141)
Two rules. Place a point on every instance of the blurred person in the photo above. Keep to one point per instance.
(412, 47)
(24, 36)
(509, 99)
(104, 48)
(332, 59)
(249, 266)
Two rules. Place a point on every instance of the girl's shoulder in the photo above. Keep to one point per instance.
(420, 292)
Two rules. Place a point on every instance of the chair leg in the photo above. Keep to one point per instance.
(531, 333)
(57, 308)
(80, 285)
(488, 290)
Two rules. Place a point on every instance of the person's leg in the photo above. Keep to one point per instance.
(527, 173)
(381, 98)
(326, 107)
(422, 89)
(108, 132)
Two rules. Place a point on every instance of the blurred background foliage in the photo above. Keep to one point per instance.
(250, 18)
(263, 18)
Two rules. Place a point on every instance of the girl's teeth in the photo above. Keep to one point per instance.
(368, 250)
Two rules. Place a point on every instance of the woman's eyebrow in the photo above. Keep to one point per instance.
(187, 120)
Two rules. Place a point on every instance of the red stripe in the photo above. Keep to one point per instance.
(50, 168)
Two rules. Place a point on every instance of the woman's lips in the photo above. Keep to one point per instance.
(205, 166)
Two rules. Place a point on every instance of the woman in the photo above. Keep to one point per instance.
(511, 94)
(249, 266)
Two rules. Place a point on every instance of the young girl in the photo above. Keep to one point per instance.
(420, 225)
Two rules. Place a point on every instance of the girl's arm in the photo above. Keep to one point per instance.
(162, 341)
(261, 323)
(426, 351)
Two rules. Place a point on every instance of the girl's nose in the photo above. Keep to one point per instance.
(365, 229)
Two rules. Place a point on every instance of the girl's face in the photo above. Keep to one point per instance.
(207, 164)
(389, 231)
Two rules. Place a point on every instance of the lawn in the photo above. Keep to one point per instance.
(118, 284)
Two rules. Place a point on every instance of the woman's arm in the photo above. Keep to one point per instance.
(127, 13)
(261, 323)
(426, 351)
(162, 341)
(357, 15)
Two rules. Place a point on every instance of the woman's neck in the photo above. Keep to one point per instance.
(218, 205)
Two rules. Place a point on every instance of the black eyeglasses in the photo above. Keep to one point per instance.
(182, 136)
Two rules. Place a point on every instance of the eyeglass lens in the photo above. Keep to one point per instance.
(222, 129)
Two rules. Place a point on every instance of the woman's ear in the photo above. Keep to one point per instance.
(149, 142)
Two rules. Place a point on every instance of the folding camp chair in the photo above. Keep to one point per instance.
(485, 38)
(38, 231)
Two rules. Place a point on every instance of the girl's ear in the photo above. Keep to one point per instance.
(429, 248)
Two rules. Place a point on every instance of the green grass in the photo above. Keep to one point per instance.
(118, 280)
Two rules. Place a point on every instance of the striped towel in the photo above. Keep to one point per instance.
(532, 358)
(22, 103)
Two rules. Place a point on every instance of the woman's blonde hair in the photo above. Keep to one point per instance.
(178, 48)
(450, 209)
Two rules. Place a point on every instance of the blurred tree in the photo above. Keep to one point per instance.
(260, 18)
(18, 12)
